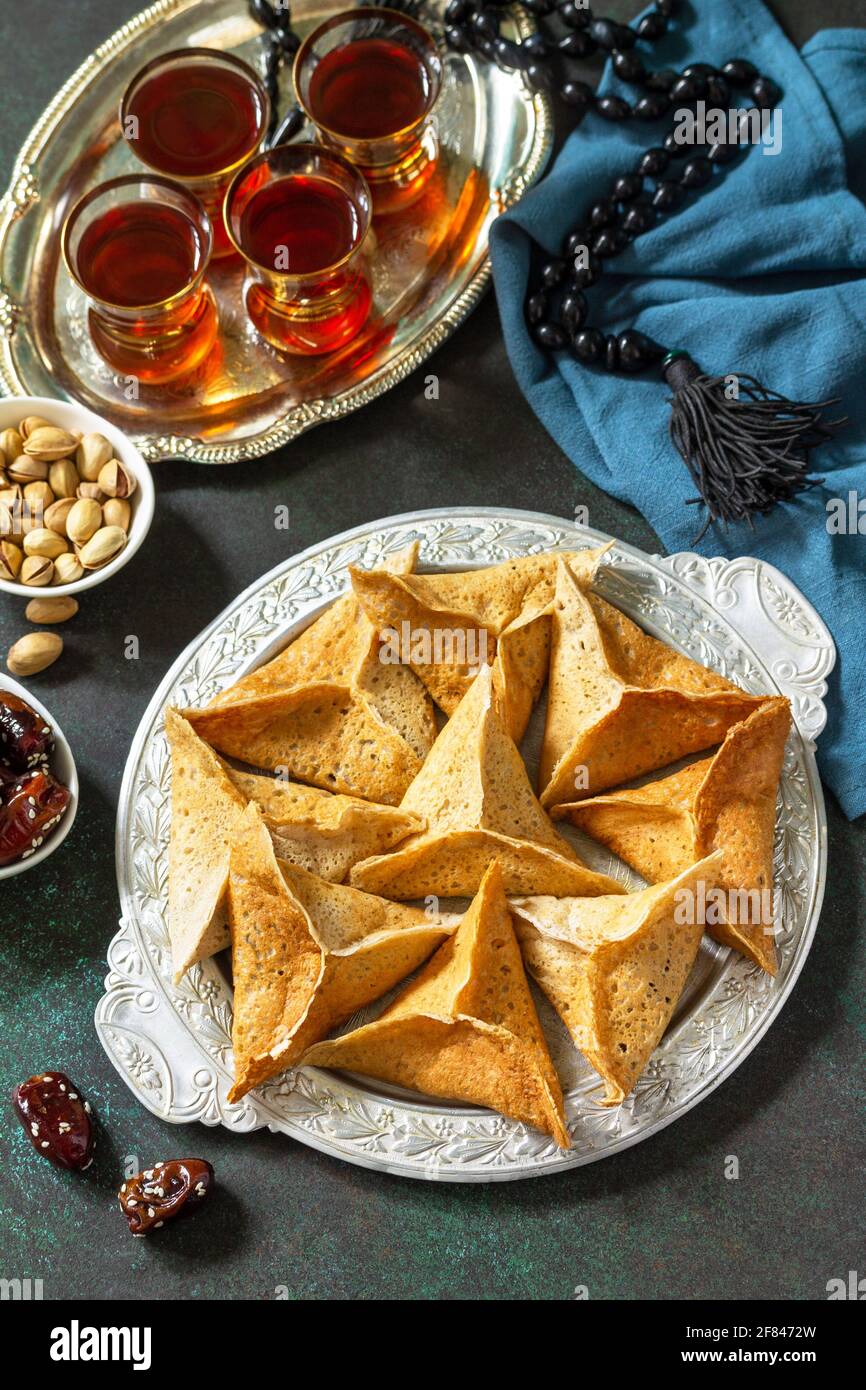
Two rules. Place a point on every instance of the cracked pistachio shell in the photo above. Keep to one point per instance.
(11, 560)
(37, 570)
(116, 480)
(49, 442)
(27, 470)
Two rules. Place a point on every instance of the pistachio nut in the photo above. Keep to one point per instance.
(92, 454)
(11, 444)
(63, 478)
(67, 569)
(51, 610)
(49, 442)
(116, 480)
(116, 511)
(27, 470)
(91, 490)
(33, 653)
(102, 547)
(84, 519)
(11, 560)
(54, 517)
(31, 423)
(10, 495)
(41, 541)
(37, 570)
(38, 495)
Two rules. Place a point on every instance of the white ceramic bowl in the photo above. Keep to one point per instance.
(62, 765)
(74, 417)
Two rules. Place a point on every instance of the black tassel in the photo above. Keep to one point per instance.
(745, 453)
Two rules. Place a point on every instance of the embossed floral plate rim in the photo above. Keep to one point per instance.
(171, 1043)
(19, 375)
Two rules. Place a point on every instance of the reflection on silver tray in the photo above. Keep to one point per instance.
(431, 264)
(172, 1043)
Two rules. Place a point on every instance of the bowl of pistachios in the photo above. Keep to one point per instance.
(76, 497)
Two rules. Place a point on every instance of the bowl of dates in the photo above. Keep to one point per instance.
(38, 781)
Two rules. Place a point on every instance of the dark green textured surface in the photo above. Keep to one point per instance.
(659, 1221)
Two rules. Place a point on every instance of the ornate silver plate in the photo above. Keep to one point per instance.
(172, 1043)
(430, 265)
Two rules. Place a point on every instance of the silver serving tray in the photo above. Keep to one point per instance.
(172, 1043)
(430, 265)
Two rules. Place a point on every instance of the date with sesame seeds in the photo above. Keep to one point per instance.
(163, 1192)
(26, 741)
(29, 811)
(56, 1119)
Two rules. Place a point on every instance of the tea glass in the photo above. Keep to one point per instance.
(318, 308)
(398, 163)
(159, 340)
(186, 117)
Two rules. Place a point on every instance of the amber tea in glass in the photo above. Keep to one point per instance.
(299, 215)
(368, 80)
(196, 115)
(138, 248)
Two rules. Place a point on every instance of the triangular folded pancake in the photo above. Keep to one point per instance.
(474, 794)
(620, 703)
(520, 670)
(320, 831)
(206, 814)
(342, 648)
(725, 802)
(326, 734)
(466, 1029)
(614, 968)
(307, 954)
(451, 624)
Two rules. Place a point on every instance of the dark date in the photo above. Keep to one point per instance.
(56, 1119)
(164, 1192)
(25, 739)
(30, 809)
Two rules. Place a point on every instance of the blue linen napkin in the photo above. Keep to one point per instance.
(762, 272)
